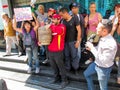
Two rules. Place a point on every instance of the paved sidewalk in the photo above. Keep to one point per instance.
(14, 85)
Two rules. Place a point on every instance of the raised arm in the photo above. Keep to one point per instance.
(36, 21)
(15, 26)
(113, 29)
(86, 20)
(99, 17)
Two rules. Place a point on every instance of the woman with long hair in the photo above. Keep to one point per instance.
(91, 22)
(30, 42)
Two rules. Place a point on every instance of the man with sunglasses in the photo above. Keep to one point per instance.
(104, 56)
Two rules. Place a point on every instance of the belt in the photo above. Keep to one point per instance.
(100, 66)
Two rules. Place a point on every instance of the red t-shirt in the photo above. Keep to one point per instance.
(58, 38)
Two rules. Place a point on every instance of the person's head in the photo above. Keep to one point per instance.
(117, 9)
(41, 9)
(74, 7)
(56, 19)
(117, 6)
(33, 22)
(104, 27)
(27, 26)
(92, 7)
(5, 16)
(51, 11)
(63, 12)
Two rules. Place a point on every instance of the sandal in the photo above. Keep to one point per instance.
(118, 80)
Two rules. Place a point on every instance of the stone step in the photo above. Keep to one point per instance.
(23, 67)
(17, 85)
(43, 81)
(14, 58)
(48, 72)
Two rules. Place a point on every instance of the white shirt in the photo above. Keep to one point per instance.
(105, 52)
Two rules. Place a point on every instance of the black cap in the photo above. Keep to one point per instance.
(73, 5)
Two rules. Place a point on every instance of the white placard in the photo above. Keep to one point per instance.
(23, 14)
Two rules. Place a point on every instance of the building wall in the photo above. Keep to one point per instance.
(4, 7)
(102, 5)
(27, 2)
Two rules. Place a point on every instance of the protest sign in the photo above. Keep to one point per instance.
(23, 14)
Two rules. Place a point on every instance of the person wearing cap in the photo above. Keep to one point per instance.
(72, 40)
(51, 12)
(56, 48)
(9, 34)
(91, 22)
(74, 7)
(104, 56)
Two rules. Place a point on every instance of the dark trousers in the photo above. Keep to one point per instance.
(46, 52)
(72, 58)
(56, 62)
(21, 47)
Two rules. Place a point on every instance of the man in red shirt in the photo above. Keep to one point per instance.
(56, 48)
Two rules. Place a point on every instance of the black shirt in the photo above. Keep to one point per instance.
(71, 30)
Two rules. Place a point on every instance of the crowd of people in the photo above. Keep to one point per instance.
(70, 34)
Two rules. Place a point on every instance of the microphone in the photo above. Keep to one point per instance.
(91, 38)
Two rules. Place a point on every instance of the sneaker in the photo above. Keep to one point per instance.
(45, 61)
(6, 55)
(64, 84)
(117, 61)
(37, 70)
(58, 79)
(29, 70)
(26, 59)
(88, 62)
(76, 72)
(20, 54)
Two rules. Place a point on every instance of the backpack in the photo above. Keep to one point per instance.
(3, 85)
(84, 36)
(29, 39)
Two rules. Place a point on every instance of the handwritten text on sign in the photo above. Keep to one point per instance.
(23, 14)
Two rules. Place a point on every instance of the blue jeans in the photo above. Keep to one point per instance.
(42, 50)
(79, 52)
(102, 73)
(71, 56)
(32, 54)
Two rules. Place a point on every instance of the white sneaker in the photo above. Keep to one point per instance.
(37, 70)
(45, 61)
(88, 62)
(29, 70)
(117, 63)
(26, 59)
